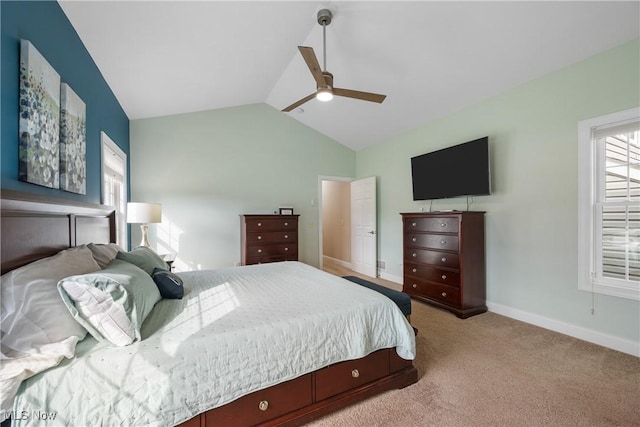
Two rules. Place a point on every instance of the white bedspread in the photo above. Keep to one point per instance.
(236, 331)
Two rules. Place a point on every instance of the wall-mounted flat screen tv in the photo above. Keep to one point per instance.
(461, 170)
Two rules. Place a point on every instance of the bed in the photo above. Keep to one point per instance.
(264, 353)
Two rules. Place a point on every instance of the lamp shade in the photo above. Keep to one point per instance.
(144, 213)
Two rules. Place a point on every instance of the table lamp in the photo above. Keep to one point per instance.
(144, 214)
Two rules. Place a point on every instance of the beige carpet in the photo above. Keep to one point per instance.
(490, 370)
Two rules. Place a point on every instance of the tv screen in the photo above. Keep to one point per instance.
(461, 170)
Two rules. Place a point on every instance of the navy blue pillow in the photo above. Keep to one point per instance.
(169, 285)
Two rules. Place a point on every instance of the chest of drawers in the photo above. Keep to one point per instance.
(444, 260)
(269, 238)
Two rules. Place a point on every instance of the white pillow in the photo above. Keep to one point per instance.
(33, 314)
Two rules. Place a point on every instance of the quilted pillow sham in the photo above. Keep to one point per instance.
(143, 258)
(112, 303)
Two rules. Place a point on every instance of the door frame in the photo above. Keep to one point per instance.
(320, 207)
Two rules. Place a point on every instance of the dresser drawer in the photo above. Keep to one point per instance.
(344, 376)
(269, 224)
(283, 249)
(433, 225)
(432, 241)
(254, 238)
(432, 274)
(273, 258)
(264, 405)
(442, 293)
(441, 259)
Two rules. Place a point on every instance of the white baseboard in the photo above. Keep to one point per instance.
(589, 335)
(390, 277)
(340, 262)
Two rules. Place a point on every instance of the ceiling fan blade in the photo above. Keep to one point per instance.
(298, 103)
(312, 62)
(365, 96)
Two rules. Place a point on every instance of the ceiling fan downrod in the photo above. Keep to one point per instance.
(324, 19)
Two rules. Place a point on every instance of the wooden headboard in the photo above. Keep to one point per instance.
(35, 227)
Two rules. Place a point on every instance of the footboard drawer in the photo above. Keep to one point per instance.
(263, 405)
(344, 376)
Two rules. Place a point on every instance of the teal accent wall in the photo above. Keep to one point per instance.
(531, 220)
(207, 168)
(46, 26)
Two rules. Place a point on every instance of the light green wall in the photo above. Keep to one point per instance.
(209, 167)
(531, 220)
(206, 168)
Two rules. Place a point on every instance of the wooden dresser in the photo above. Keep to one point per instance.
(444, 260)
(269, 238)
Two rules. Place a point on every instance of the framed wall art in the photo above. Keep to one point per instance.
(39, 133)
(73, 141)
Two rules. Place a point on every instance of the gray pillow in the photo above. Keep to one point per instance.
(111, 303)
(104, 253)
(143, 258)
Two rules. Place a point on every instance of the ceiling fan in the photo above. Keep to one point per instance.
(324, 79)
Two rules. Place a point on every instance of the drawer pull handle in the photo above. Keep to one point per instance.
(443, 242)
(414, 270)
(286, 249)
(444, 276)
(444, 259)
(355, 373)
(286, 236)
(415, 286)
(286, 223)
(259, 251)
(444, 224)
(413, 224)
(414, 239)
(444, 294)
(414, 255)
(263, 405)
(259, 237)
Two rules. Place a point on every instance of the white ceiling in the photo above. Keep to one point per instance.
(430, 58)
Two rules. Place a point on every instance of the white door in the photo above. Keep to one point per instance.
(364, 248)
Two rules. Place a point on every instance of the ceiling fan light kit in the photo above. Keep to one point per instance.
(324, 94)
(324, 79)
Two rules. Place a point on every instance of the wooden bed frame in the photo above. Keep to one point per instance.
(35, 227)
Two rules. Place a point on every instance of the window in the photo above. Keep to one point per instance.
(114, 185)
(609, 204)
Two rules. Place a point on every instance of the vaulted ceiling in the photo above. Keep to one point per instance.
(430, 58)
